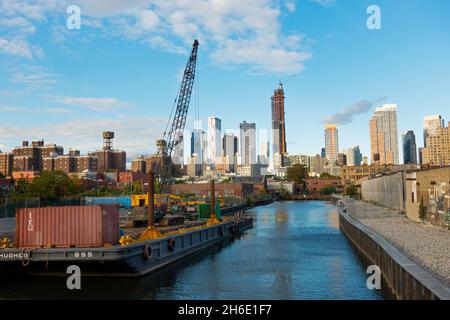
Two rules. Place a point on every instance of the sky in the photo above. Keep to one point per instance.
(121, 70)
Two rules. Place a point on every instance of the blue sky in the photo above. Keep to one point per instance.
(121, 70)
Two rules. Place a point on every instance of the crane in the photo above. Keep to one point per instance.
(174, 136)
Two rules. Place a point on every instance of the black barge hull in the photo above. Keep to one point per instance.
(123, 261)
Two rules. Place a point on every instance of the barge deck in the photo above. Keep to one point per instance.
(123, 261)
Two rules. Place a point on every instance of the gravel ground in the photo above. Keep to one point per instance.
(427, 245)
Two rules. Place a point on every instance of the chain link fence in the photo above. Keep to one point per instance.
(8, 206)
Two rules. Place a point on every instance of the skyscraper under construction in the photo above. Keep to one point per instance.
(278, 124)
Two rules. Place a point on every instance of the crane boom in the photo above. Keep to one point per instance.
(174, 136)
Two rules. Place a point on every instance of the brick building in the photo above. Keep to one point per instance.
(238, 190)
(138, 165)
(315, 184)
(6, 164)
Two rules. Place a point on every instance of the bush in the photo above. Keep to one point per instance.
(422, 211)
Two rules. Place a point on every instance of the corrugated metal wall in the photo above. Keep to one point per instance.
(68, 226)
(124, 202)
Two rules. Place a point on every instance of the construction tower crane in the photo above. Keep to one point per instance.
(174, 136)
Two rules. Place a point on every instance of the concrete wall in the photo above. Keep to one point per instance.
(387, 191)
(412, 199)
(402, 278)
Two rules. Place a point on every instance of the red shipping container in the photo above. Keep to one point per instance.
(68, 226)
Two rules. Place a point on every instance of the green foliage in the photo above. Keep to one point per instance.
(422, 211)
(351, 191)
(250, 202)
(327, 190)
(327, 175)
(103, 192)
(297, 173)
(133, 188)
(285, 195)
(50, 185)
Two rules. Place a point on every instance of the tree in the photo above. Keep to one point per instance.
(133, 188)
(50, 185)
(327, 175)
(327, 190)
(297, 173)
(351, 191)
(422, 211)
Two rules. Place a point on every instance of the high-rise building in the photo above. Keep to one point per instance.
(138, 165)
(248, 143)
(214, 139)
(230, 145)
(264, 148)
(384, 135)
(332, 149)
(437, 151)
(409, 148)
(197, 145)
(108, 158)
(431, 125)
(353, 156)
(421, 155)
(264, 153)
(341, 159)
(316, 165)
(32, 152)
(6, 164)
(278, 123)
(178, 150)
(331, 143)
(323, 153)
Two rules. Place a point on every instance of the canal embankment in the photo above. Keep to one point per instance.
(414, 258)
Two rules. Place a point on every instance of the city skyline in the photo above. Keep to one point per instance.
(43, 77)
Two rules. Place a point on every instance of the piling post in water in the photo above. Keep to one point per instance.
(213, 200)
(212, 216)
(151, 232)
(151, 199)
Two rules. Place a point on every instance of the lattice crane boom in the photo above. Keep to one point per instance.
(174, 136)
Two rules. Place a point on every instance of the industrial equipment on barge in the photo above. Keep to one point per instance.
(50, 239)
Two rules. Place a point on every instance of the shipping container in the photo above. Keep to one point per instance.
(204, 211)
(68, 226)
(123, 202)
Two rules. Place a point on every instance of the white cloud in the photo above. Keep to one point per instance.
(86, 134)
(260, 56)
(224, 27)
(325, 3)
(36, 109)
(33, 76)
(58, 110)
(95, 104)
(290, 5)
(15, 109)
(18, 25)
(147, 20)
(15, 47)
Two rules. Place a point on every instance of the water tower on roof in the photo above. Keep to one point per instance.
(108, 137)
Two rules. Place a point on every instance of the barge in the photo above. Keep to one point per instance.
(130, 260)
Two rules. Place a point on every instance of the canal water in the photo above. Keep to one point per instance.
(294, 251)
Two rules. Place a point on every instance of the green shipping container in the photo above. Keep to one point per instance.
(204, 210)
